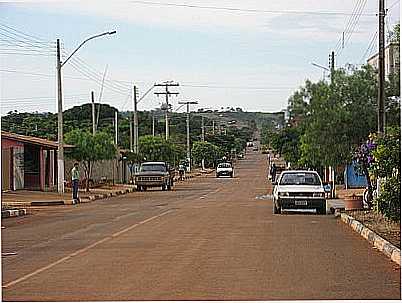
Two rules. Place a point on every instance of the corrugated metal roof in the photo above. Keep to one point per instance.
(32, 140)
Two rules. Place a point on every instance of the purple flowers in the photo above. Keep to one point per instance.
(363, 154)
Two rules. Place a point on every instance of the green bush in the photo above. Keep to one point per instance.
(389, 201)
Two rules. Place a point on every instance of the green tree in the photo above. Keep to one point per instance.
(89, 149)
(395, 34)
(340, 116)
(287, 143)
(158, 149)
(207, 151)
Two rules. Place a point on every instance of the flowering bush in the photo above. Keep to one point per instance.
(387, 165)
(365, 160)
(380, 157)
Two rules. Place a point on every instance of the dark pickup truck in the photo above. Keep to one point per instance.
(154, 174)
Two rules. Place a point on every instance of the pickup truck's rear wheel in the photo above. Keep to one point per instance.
(169, 187)
(139, 188)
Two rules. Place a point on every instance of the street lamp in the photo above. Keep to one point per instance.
(322, 67)
(60, 151)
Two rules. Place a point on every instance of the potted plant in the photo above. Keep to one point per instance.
(353, 202)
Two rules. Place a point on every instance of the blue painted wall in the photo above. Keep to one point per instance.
(354, 179)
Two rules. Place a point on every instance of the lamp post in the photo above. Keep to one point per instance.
(60, 150)
(322, 67)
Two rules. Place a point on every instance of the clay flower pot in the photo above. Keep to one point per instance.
(353, 202)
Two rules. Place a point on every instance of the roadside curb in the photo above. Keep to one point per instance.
(193, 175)
(381, 244)
(69, 201)
(13, 213)
(108, 195)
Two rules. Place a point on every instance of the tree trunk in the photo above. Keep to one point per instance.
(88, 177)
(369, 187)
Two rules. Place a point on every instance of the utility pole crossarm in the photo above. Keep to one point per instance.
(167, 94)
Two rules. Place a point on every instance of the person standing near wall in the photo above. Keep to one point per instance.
(75, 178)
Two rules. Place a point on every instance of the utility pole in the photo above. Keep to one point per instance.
(116, 141)
(167, 94)
(60, 149)
(332, 65)
(93, 113)
(116, 129)
(202, 129)
(213, 127)
(188, 131)
(153, 124)
(381, 68)
(135, 115)
(131, 132)
(203, 140)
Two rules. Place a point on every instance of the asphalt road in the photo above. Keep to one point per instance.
(209, 239)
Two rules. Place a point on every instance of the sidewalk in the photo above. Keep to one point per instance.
(14, 202)
(26, 198)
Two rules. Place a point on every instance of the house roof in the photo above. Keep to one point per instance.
(32, 140)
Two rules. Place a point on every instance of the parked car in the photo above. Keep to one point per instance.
(299, 189)
(154, 174)
(224, 169)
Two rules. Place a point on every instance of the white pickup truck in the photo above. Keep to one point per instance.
(224, 169)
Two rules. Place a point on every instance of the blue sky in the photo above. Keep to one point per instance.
(220, 58)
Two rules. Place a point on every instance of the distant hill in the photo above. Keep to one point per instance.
(44, 125)
(245, 119)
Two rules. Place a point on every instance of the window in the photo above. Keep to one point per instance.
(300, 179)
(153, 167)
(224, 165)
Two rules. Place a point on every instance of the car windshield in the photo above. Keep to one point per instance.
(224, 165)
(300, 179)
(153, 167)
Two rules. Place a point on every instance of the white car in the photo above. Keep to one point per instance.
(299, 189)
(224, 169)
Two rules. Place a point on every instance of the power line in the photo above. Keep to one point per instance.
(247, 10)
(25, 54)
(40, 97)
(348, 23)
(237, 87)
(86, 74)
(352, 27)
(370, 46)
(22, 34)
(393, 4)
(96, 74)
(16, 37)
(80, 66)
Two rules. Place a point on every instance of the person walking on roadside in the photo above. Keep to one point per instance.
(181, 171)
(273, 172)
(75, 178)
